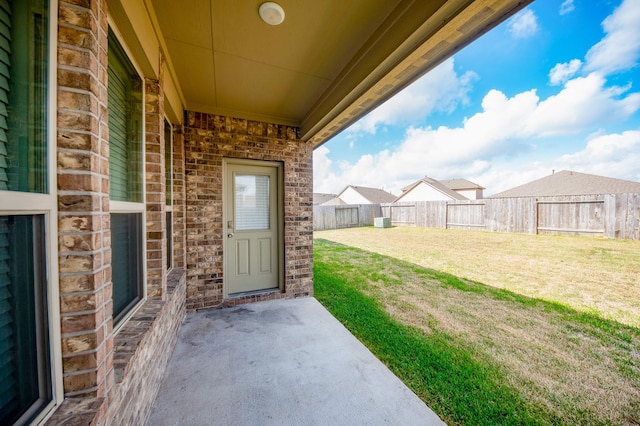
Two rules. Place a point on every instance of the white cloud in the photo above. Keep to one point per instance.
(503, 177)
(582, 102)
(563, 72)
(613, 155)
(495, 133)
(523, 25)
(606, 154)
(619, 50)
(324, 180)
(442, 89)
(567, 6)
(495, 147)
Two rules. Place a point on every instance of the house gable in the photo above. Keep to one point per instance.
(427, 189)
(364, 195)
(351, 195)
(465, 187)
(424, 192)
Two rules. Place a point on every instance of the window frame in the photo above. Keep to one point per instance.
(141, 271)
(129, 206)
(169, 193)
(46, 204)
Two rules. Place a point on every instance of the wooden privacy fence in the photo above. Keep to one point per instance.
(344, 216)
(611, 215)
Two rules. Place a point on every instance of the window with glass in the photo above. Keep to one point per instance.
(24, 362)
(251, 202)
(168, 164)
(25, 367)
(125, 126)
(126, 259)
(125, 179)
(23, 96)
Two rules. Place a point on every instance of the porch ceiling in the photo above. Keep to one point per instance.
(326, 65)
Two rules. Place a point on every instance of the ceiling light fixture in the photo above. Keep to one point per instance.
(271, 13)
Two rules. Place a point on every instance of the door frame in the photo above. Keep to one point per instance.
(278, 165)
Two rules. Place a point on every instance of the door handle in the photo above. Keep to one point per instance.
(230, 235)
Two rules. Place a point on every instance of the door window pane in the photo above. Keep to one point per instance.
(251, 202)
(25, 385)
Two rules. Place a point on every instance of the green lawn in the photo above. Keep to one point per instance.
(478, 354)
(594, 275)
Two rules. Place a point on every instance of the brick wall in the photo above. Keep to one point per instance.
(107, 378)
(83, 199)
(179, 200)
(208, 139)
(155, 188)
(142, 350)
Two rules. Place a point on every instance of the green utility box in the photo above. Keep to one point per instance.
(382, 222)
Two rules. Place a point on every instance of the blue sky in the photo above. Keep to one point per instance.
(556, 87)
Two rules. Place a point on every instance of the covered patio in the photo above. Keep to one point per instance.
(284, 362)
(174, 174)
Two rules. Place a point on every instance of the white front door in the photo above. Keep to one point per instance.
(252, 226)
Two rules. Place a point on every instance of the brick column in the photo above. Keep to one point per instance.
(155, 189)
(83, 199)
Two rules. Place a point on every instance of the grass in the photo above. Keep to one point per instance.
(478, 354)
(593, 275)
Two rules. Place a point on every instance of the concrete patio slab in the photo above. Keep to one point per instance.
(284, 362)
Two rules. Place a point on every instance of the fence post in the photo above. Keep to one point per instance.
(446, 215)
(610, 215)
(536, 216)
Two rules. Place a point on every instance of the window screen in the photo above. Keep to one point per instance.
(251, 202)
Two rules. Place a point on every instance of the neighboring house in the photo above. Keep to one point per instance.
(150, 150)
(362, 195)
(427, 189)
(334, 202)
(320, 198)
(465, 187)
(568, 182)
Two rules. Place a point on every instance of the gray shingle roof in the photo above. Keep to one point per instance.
(333, 202)
(568, 182)
(459, 184)
(319, 198)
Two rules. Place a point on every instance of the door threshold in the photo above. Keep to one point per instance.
(253, 293)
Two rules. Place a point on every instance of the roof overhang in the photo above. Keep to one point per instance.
(329, 63)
